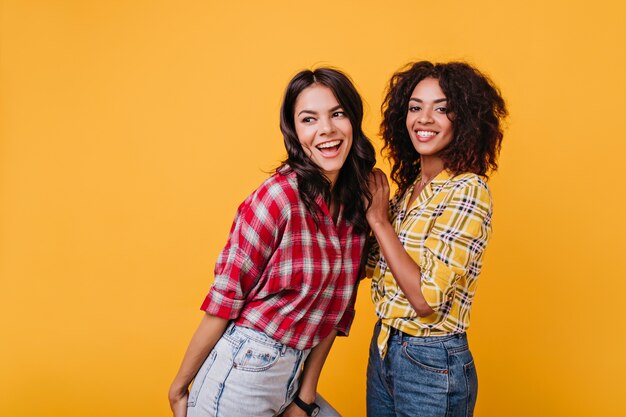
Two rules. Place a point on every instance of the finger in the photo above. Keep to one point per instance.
(381, 177)
(385, 183)
(372, 182)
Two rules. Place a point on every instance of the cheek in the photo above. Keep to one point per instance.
(303, 135)
(449, 123)
(305, 141)
(445, 124)
(345, 127)
(409, 122)
(350, 141)
(306, 147)
(349, 133)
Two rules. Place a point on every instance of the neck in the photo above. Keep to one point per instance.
(333, 180)
(331, 197)
(430, 167)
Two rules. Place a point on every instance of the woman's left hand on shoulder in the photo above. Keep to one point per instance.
(379, 188)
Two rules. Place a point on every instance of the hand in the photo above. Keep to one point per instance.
(178, 401)
(293, 410)
(379, 188)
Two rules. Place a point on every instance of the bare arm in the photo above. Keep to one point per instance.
(311, 374)
(204, 339)
(404, 269)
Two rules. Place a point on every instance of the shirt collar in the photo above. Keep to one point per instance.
(428, 191)
(441, 178)
(438, 181)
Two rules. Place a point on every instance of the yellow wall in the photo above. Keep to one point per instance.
(131, 130)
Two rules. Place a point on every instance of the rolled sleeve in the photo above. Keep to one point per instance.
(227, 296)
(457, 238)
(343, 327)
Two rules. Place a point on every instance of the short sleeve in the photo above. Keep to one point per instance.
(457, 239)
(254, 236)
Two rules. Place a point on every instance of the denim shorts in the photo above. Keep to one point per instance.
(421, 377)
(247, 374)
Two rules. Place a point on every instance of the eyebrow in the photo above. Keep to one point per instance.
(337, 107)
(439, 100)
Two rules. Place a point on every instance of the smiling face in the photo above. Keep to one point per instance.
(427, 119)
(323, 129)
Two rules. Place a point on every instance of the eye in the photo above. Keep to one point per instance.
(307, 119)
(442, 109)
(413, 109)
(339, 113)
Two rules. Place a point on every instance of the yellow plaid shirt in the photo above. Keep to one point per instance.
(445, 231)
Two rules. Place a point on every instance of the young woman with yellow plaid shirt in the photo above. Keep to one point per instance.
(442, 131)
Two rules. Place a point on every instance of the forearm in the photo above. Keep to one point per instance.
(313, 368)
(204, 339)
(404, 269)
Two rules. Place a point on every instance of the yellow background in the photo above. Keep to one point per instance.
(131, 130)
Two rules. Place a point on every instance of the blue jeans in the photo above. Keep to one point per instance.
(421, 377)
(248, 374)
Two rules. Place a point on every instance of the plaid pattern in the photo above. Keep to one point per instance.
(282, 274)
(445, 232)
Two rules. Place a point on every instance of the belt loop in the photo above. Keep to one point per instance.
(396, 332)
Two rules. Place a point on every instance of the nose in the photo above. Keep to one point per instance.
(326, 125)
(425, 117)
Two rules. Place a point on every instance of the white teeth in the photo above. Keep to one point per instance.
(330, 144)
(425, 133)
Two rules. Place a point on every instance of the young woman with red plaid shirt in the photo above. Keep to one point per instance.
(286, 282)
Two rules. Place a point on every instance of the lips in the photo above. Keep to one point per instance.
(425, 135)
(330, 148)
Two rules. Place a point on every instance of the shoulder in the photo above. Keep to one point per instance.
(281, 187)
(471, 191)
(468, 183)
(274, 197)
(468, 179)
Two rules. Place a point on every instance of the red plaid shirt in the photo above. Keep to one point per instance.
(281, 274)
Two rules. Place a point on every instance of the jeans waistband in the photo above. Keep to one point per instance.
(234, 331)
(402, 336)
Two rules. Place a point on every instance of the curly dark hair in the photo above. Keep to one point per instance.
(475, 108)
(351, 186)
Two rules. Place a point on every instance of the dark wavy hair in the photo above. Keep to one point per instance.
(475, 107)
(351, 186)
